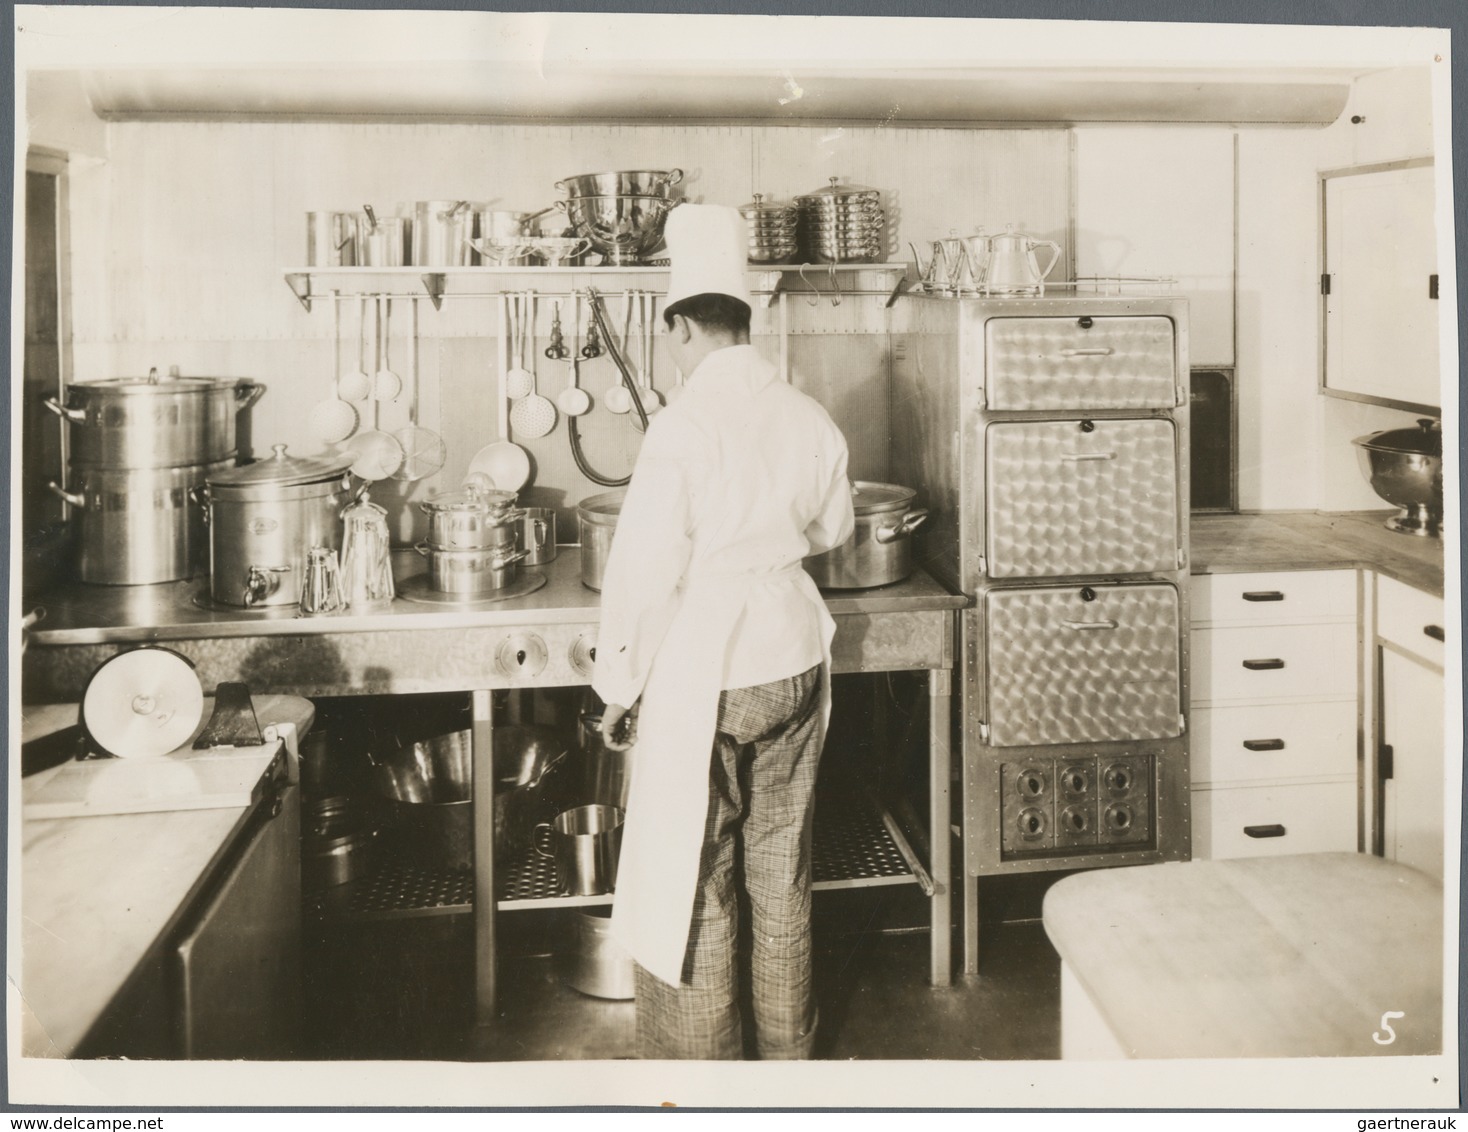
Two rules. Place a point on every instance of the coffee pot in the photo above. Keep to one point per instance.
(366, 570)
(950, 268)
(1013, 267)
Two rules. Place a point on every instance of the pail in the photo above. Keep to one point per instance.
(584, 843)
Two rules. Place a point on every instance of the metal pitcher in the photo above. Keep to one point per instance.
(1013, 268)
(947, 271)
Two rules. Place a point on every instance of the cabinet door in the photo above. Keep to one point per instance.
(1381, 309)
(238, 961)
(1412, 798)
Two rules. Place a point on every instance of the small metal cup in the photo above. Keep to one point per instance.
(537, 534)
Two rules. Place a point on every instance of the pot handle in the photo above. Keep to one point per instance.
(909, 523)
(536, 838)
(510, 559)
(551, 763)
(70, 496)
(674, 177)
(77, 416)
(421, 546)
(246, 393)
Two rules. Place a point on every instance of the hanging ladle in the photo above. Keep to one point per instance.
(574, 400)
(520, 381)
(358, 386)
(387, 384)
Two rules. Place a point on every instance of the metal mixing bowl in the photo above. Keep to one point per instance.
(1404, 466)
(623, 229)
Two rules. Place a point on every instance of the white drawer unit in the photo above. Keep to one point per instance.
(1269, 662)
(1262, 821)
(1276, 713)
(1273, 742)
(1276, 598)
(1410, 619)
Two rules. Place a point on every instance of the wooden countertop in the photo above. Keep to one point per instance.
(98, 892)
(1258, 957)
(1314, 540)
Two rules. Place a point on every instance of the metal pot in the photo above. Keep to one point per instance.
(471, 571)
(337, 842)
(631, 182)
(265, 517)
(139, 526)
(597, 965)
(145, 422)
(879, 551)
(440, 232)
(606, 775)
(471, 520)
(1405, 467)
(597, 518)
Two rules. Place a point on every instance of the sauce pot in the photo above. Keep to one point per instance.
(879, 551)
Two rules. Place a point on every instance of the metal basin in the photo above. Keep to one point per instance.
(1404, 467)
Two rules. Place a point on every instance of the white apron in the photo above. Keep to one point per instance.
(667, 805)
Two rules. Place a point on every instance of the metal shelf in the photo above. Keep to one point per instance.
(854, 846)
(766, 280)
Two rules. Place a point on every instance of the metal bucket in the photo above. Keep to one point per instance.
(331, 239)
(441, 229)
(597, 965)
(597, 518)
(606, 775)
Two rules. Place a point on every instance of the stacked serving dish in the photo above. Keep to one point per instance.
(772, 230)
(841, 224)
(471, 546)
(141, 448)
(621, 214)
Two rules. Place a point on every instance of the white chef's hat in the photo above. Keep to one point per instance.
(708, 244)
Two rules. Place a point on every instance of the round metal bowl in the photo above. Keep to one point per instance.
(628, 182)
(622, 228)
(1404, 467)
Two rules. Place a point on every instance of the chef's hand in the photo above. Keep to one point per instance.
(619, 726)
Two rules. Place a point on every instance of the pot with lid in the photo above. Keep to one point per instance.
(879, 551)
(153, 422)
(471, 519)
(841, 224)
(265, 517)
(1405, 467)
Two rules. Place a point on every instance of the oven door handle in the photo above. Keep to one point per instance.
(1091, 352)
(1077, 457)
(1089, 625)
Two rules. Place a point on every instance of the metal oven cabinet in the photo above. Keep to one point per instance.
(1049, 439)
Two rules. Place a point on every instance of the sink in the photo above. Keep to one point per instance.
(1405, 467)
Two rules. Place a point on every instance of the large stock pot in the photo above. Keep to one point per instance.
(152, 422)
(597, 517)
(879, 551)
(265, 517)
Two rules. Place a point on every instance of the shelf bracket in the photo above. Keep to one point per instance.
(300, 284)
(433, 283)
(897, 288)
(768, 283)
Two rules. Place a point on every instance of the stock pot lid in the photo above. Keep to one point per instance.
(152, 387)
(868, 498)
(835, 191)
(283, 470)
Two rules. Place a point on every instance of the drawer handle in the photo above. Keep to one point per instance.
(1088, 352)
(1085, 625)
(1264, 744)
(1264, 664)
(1263, 595)
(1264, 831)
(1435, 632)
(1077, 457)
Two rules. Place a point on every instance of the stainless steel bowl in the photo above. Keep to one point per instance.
(1404, 467)
(628, 182)
(624, 229)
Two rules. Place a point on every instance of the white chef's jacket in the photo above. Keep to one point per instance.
(743, 474)
(738, 480)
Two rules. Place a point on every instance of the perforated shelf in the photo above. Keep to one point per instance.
(851, 849)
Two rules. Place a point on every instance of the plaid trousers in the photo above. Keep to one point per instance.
(761, 787)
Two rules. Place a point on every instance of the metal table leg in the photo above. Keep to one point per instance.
(482, 736)
(970, 924)
(939, 816)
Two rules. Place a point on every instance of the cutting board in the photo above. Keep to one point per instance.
(184, 779)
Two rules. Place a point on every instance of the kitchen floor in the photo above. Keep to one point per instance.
(403, 990)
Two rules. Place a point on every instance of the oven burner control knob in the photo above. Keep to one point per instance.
(1075, 819)
(1032, 823)
(521, 656)
(1118, 778)
(1074, 780)
(583, 654)
(1031, 783)
(1118, 817)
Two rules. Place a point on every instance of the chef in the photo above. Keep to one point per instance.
(713, 659)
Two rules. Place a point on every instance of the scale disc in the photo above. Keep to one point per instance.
(143, 703)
